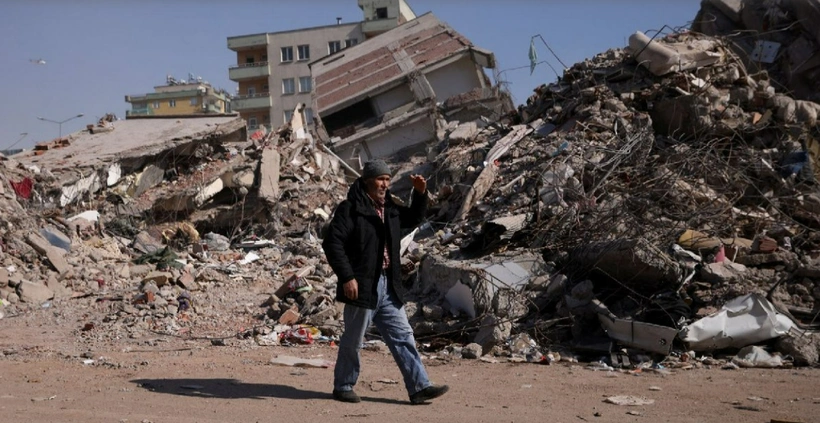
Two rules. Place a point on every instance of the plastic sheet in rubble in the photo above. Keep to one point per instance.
(742, 321)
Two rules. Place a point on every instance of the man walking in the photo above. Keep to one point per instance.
(362, 247)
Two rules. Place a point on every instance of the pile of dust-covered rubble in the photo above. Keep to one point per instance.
(189, 238)
(647, 189)
(657, 204)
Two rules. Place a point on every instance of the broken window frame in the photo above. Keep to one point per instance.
(286, 54)
(350, 42)
(288, 86)
(381, 13)
(172, 103)
(303, 52)
(308, 115)
(288, 115)
(305, 84)
(194, 101)
(155, 105)
(333, 46)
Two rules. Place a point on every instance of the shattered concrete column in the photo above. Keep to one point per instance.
(269, 175)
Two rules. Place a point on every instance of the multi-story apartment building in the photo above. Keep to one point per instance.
(272, 68)
(186, 97)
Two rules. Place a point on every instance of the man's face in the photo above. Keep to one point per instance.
(377, 187)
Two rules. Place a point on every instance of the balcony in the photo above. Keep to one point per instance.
(139, 112)
(246, 42)
(249, 71)
(211, 108)
(378, 26)
(250, 102)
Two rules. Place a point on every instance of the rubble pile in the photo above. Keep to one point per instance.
(181, 241)
(662, 189)
(778, 37)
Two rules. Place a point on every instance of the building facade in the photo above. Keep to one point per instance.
(272, 70)
(389, 93)
(186, 97)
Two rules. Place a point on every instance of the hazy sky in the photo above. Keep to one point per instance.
(98, 51)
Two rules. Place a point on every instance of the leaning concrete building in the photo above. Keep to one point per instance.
(385, 94)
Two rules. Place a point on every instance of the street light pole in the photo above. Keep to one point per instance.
(60, 122)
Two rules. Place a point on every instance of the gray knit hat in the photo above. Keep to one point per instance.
(375, 168)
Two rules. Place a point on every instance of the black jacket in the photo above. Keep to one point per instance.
(354, 244)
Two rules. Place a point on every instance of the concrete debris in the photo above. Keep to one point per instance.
(789, 55)
(30, 292)
(652, 195)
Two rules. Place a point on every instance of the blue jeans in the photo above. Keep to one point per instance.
(391, 320)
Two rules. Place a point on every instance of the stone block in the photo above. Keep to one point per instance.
(493, 332)
(465, 132)
(150, 177)
(31, 292)
(472, 351)
(57, 260)
(722, 272)
(159, 278)
(289, 317)
(804, 348)
(186, 280)
(60, 291)
(38, 243)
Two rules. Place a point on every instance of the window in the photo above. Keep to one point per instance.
(172, 103)
(308, 115)
(194, 101)
(304, 52)
(288, 86)
(351, 42)
(288, 115)
(251, 91)
(287, 54)
(333, 46)
(249, 60)
(304, 84)
(381, 13)
(265, 88)
(264, 57)
(156, 105)
(252, 124)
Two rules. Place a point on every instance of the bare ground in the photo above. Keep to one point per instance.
(162, 379)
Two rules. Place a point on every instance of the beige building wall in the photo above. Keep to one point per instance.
(267, 47)
(318, 40)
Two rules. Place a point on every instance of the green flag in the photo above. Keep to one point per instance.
(533, 55)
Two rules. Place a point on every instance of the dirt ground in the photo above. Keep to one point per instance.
(43, 378)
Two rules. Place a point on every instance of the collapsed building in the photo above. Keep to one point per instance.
(656, 199)
(384, 95)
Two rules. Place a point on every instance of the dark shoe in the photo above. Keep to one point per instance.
(428, 393)
(346, 396)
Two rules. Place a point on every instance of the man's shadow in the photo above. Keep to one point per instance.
(235, 389)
